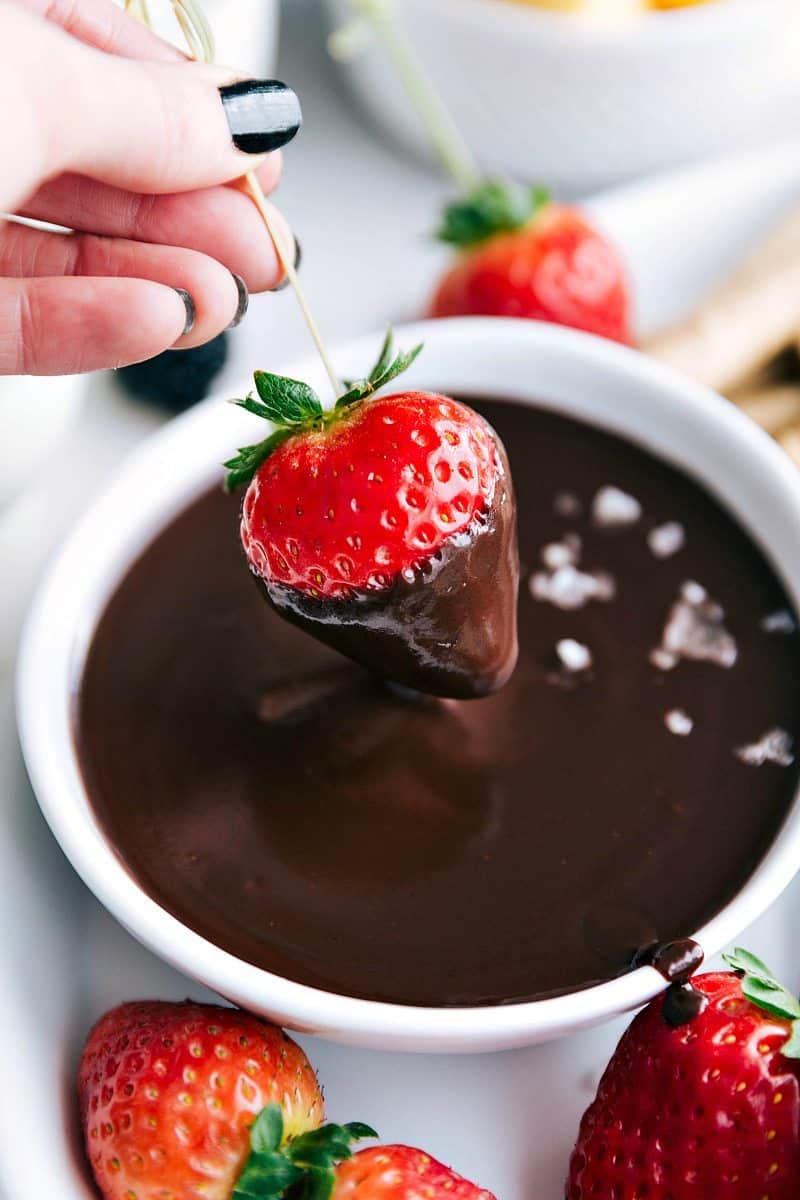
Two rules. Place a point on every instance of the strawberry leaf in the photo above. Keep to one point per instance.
(327, 1145)
(243, 466)
(266, 1132)
(294, 407)
(761, 987)
(318, 1184)
(748, 964)
(286, 401)
(303, 1166)
(775, 1000)
(357, 1130)
(490, 208)
(266, 1175)
(791, 1049)
(384, 358)
(385, 370)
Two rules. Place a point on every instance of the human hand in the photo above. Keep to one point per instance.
(111, 132)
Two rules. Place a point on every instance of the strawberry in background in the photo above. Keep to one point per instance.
(521, 255)
(706, 1110)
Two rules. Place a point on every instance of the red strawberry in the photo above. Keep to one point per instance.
(401, 1173)
(522, 256)
(706, 1111)
(169, 1092)
(386, 528)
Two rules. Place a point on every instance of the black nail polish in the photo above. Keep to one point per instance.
(298, 258)
(244, 300)
(188, 304)
(263, 114)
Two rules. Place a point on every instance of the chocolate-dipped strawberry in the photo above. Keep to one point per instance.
(386, 527)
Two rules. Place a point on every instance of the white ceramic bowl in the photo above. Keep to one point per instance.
(245, 32)
(577, 105)
(603, 383)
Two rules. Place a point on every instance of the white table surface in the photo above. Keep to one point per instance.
(363, 215)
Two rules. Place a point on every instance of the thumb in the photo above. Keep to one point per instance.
(154, 127)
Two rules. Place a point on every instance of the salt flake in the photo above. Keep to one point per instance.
(695, 630)
(563, 583)
(775, 746)
(666, 540)
(574, 656)
(611, 506)
(567, 552)
(678, 722)
(569, 588)
(778, 622)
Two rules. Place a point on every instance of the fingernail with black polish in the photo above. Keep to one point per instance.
(298, 258)
(188, 304)
(263, 114)
(244, 300)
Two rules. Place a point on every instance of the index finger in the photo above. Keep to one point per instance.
(104, 25)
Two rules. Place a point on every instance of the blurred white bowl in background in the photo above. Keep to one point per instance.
(578, 104)
(245, 31)
(35, 412)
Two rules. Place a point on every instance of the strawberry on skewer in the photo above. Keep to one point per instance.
(709, 1109)
(385, 527)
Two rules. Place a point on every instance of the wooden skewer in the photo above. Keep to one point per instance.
(790, 440)
(200, 42)
(773, 407)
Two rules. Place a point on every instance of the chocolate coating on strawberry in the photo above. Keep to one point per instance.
(387, 529)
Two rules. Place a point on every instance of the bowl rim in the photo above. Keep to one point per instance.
(93, 559)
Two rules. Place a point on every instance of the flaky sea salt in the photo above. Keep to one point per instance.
(569, 588)
(778, 622)
(678, 722)
(574, 656)
(775, 746)
(565, 553)
(694, 593)
(695, 629)
(561, 581)
(611, 506)
(666, 540)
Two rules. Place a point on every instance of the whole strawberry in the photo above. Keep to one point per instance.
(523, 256)
(709, 1110)
(169, 1093)
(401, 1173)
(386, 527)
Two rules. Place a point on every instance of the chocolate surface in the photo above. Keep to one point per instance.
(312, 821)
(452, 629)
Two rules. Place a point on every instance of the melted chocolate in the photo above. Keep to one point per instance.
(677, 962)
(452, 630)
(301, 815)
(682, 1003)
